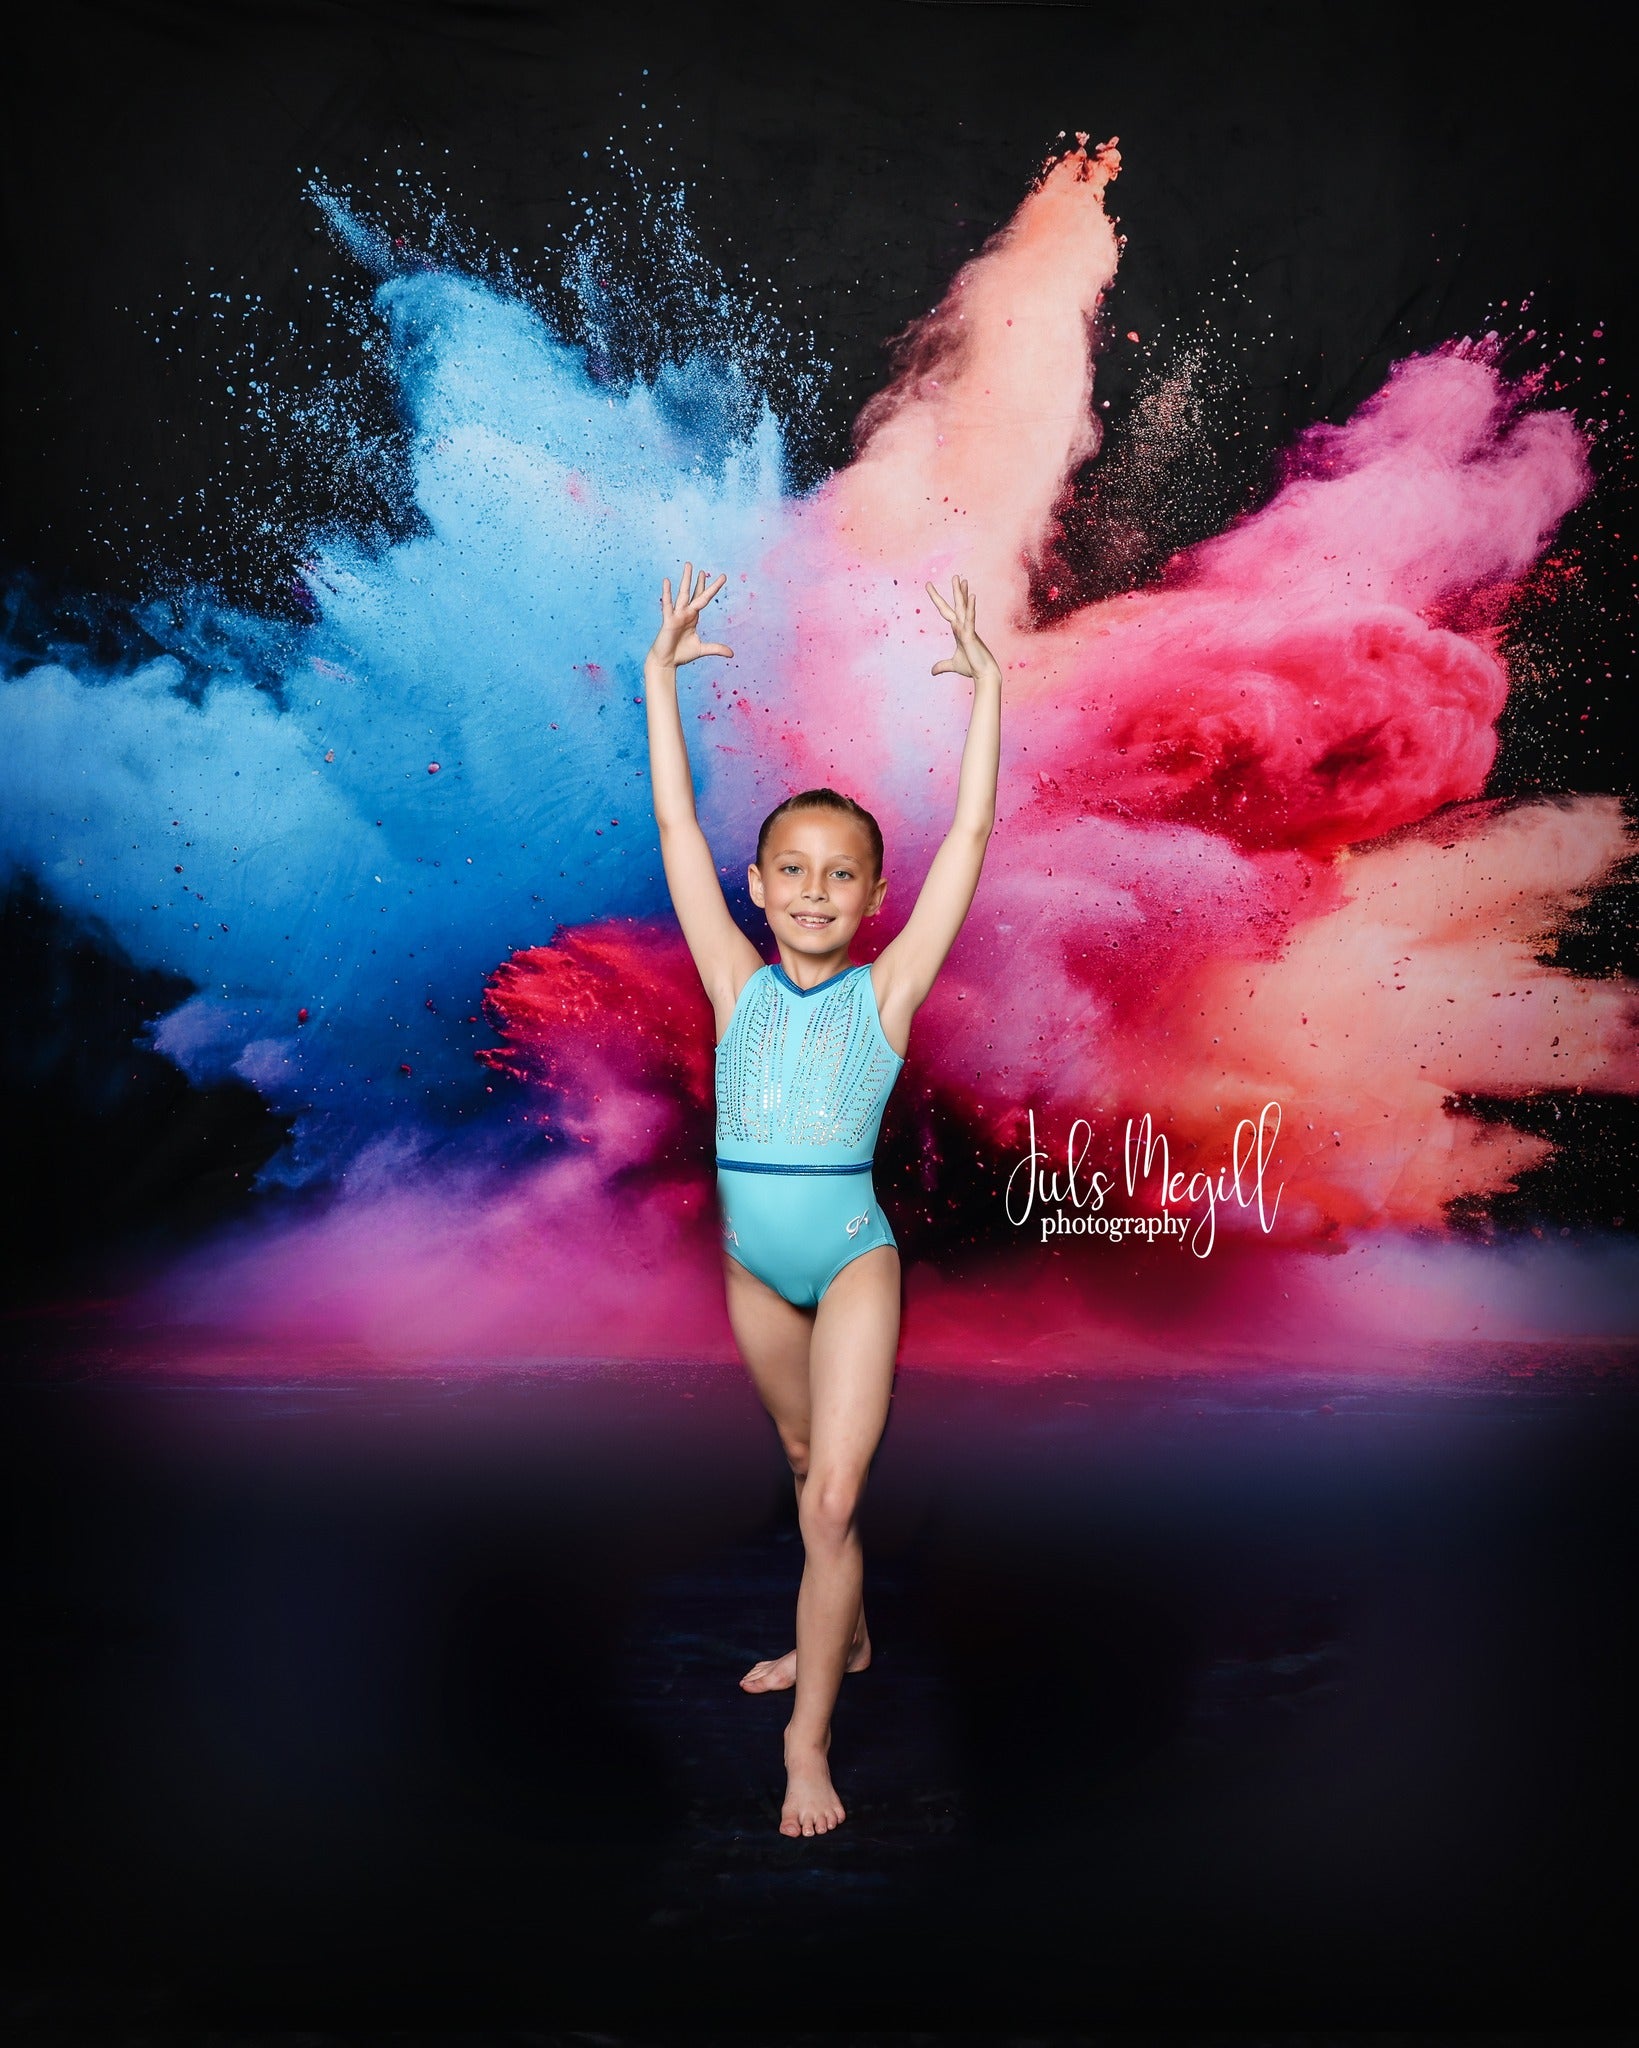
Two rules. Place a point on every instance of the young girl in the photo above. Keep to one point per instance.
(807, 1054)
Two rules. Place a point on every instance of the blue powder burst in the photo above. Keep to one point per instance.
(359, 816)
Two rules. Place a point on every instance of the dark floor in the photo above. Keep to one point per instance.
(1200, 1703)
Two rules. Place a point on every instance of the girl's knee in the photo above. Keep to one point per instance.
(830, 1503)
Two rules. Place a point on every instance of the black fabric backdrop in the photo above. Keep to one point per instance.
(313, 1732)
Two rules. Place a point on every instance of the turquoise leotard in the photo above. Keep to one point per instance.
(803, 1076)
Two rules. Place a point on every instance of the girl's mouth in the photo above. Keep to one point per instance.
(811, 919)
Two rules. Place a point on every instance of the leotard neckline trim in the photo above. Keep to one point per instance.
(830, 980)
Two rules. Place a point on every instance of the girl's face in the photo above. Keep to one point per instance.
(816, 881)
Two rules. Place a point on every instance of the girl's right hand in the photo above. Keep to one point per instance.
(679, 639)
(972, 657)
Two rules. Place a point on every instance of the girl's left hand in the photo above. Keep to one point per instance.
(972, 657)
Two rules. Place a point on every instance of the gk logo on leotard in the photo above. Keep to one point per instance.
(728, 1233)
(859, 1222)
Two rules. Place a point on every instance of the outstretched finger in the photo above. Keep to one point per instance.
(665, 597)
(716, 647)
(706, 596)
(685, 585)
(943, 609)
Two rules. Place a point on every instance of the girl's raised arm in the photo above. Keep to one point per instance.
(724, 956)
(907, 967)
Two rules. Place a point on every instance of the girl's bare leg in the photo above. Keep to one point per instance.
(773, 1339)
(850, 1380)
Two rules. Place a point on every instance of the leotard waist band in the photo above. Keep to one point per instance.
(769, 1166)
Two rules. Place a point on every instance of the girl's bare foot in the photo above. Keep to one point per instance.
(811, 1803)
(779, 1674)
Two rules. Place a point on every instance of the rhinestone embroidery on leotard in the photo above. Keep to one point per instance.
(840, 1076)
(841, 1069)
(749, 1063)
